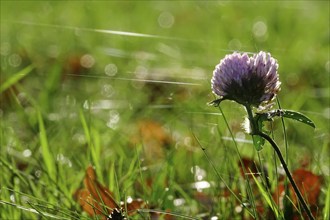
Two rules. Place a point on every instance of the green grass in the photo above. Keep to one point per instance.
(58, 117)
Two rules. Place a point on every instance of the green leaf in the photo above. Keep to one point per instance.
(261, 117)
(258, 142)
(298, 117)
(267, 196)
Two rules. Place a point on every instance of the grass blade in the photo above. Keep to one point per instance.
(16, 77)
(326, 211)
(267, 197)
(47, 156)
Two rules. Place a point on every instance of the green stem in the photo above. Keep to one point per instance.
(251, 119)
(294, 185)
(255, 131)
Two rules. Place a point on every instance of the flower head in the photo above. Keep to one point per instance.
(246, 80)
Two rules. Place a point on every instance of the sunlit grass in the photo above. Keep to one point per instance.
(77, 84)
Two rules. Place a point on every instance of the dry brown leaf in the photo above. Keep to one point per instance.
(308, 184)
(153, 138)
(96, 199)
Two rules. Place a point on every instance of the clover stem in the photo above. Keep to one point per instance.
(251, 119)
(294, 185)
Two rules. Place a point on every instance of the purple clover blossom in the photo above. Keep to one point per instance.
(246, 80)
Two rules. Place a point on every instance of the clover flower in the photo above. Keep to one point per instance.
(246, 80)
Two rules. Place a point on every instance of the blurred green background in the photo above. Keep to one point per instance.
(114, 64)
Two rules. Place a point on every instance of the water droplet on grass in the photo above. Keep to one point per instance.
(179, 202)
(238, 209)
(12, 198)
(27, 153)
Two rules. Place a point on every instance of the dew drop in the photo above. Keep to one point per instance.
(129, 199)
(238, 209)
(179, 202)
(12, 198)
(27, 153)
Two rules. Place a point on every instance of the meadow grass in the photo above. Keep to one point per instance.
(81, 82)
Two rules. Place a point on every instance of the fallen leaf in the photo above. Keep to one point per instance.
(97, 200)
(94, 198)
(308, 184)
(251, 169)
(153, 138)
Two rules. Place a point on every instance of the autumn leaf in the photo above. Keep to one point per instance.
(97, 200)
(308, 184)
(153, 138)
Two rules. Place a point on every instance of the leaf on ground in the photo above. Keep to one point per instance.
(153, 138)
(160, 215)
(204, 199)
(97, 200)
(309, 185)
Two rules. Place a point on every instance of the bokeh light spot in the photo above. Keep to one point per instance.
(234, 44)
(110, 69)
(15, 60)
(107, 90)
(259, 29)
(87, 61)
(27, 153)
(166, 20)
